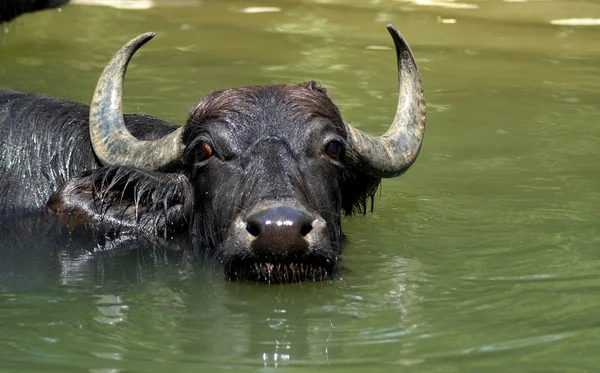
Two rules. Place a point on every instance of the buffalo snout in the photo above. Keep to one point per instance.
(280, 242)
(281, 230)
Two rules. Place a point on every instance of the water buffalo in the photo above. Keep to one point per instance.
(10, 9)
(258, 176)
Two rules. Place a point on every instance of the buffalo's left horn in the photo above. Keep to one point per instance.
(112, 142)
(392, 153)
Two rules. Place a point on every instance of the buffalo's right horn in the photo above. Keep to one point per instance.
(112, 142)
(392, 153)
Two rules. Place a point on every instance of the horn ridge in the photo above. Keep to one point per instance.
(112, 142)
(392, 153)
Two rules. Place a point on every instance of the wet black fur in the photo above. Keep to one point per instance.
(10, 9)
(117, 201)
(268, 145)
(44, 141)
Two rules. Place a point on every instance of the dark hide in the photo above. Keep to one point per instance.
(44, 142)
(119, 201)
(10, 9)
(268, 146)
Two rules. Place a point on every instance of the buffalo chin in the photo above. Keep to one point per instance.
(281, 271)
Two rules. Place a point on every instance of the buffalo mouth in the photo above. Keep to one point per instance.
(280, 271)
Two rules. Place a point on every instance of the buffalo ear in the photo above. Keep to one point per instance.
(357, 189)
(123, 200)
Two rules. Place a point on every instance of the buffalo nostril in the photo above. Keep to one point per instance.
(305, 229)
(253, 229)
(279, 229)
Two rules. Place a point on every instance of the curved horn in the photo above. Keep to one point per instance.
(392, 153)
(112, 142)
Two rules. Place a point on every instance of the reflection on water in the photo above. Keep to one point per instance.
(444, 4)
(166, 294)
(137, 4)
(482, 257)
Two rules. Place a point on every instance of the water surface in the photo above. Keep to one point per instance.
(482, 257)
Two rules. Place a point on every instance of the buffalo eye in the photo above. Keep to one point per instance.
(334, 149)
(204, 152)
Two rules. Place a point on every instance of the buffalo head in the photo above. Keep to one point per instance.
(259, 176)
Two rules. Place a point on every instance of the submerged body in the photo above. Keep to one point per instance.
(258, 176)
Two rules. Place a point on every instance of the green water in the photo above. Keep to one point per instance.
(483, 257)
